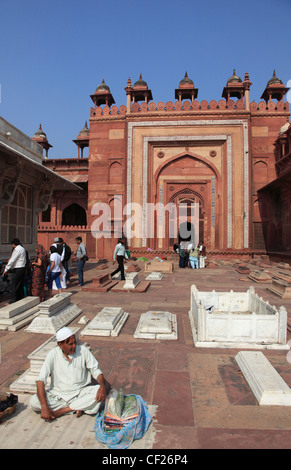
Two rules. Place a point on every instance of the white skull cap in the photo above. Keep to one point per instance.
(63, 334)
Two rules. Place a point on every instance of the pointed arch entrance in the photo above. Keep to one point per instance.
(190, 220)
(191, 182)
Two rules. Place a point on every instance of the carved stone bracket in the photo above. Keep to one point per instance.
(9, 188)
(43, 196)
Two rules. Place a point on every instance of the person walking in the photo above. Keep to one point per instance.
(55, 270)
(120, 254)
(39, 266)
(82, 257)
(17, 264)
(66, 255)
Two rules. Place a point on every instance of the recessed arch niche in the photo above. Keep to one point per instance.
(190, 179)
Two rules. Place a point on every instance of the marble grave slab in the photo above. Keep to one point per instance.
(157, 325)
(266, 384)
(54, 313)
(281, 285)
(18, 314)
(154, 276)
(108, 322)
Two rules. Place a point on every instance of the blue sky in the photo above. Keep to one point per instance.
(54, 54)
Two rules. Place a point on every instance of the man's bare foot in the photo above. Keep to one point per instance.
(61, 411)
(79, 413)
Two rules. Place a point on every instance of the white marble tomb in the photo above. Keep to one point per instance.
(265, 382)
(131, 281)
(154, 276)
(54, 313)
(18, 314)
(236, 320)
(108, 322)
(157, 325)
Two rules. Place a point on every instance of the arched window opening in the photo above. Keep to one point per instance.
(74, 215)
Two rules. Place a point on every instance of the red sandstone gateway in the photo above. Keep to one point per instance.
(230, 157)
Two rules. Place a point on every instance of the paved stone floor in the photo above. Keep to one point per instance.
(197, 397)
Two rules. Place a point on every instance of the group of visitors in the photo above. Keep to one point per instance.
(190, 255)
(51, 268)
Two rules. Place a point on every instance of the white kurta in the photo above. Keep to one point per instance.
(70, 381)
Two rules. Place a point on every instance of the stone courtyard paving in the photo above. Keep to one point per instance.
(198, 397)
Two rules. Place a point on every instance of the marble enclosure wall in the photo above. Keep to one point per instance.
(236, 319)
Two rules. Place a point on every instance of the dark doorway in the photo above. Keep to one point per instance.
(74, 215)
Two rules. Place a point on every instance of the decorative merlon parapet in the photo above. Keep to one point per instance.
(187, 106)
(63, 228)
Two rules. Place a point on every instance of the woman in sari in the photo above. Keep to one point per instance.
(39, 270)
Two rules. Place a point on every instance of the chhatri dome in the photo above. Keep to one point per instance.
(103, 86)
(186, 90)
(102, 95)
(275, 80)
(234, 78)
(186, 80)
(41, 138)
(85, 130)
(40, 133)
(140, 82)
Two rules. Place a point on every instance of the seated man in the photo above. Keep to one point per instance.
(71, 368)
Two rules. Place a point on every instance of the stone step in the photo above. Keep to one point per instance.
(266, 384)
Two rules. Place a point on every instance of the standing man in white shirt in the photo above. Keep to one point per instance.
(81, 255)
(17, 264)
(120, 254)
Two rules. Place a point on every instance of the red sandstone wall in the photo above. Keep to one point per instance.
(107, 173)
(107, 158)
